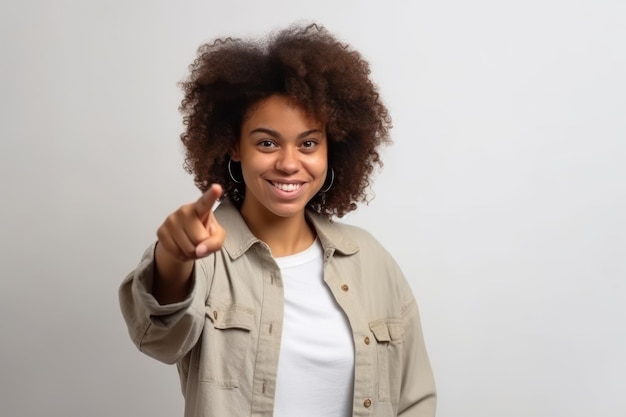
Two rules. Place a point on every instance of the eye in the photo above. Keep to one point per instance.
(266, 144)
(309, 144)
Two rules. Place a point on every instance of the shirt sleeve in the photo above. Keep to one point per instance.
(164, 332)
(418, 393)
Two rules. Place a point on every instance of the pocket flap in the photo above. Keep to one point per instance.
(234, 316)
(386, 330)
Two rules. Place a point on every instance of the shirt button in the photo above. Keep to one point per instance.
(367, 340)
(345, 288)
(367, 403)
(215, 314)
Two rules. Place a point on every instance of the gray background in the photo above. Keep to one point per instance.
(503, 198)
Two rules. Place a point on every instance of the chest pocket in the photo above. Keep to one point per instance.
(226, 339)
(389, 335)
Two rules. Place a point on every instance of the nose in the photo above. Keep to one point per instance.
(288, 161)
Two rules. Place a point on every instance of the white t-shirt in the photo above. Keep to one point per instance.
(316, 362)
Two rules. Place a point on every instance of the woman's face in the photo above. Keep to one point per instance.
(283, 155)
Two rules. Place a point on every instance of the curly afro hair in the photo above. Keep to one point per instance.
(306, 64)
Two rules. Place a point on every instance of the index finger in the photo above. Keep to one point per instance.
(204, 204)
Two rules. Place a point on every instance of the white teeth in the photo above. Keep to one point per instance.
(286, 187)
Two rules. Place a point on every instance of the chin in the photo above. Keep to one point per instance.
(290, 211)
(286, 209)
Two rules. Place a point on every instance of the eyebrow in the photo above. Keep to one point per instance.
(275, 134)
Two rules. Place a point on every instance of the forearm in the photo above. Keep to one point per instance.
(172, 278)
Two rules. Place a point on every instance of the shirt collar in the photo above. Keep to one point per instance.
(239, 238)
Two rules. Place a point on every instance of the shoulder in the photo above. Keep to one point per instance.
(378, 271)
(363, 238)
(369, 251)
(345, 238)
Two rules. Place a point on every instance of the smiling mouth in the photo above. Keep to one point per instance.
(286, 187)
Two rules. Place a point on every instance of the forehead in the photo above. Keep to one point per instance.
(279, 110)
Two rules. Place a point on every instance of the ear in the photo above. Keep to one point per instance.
(234, 153)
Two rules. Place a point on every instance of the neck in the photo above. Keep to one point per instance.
(284, 235)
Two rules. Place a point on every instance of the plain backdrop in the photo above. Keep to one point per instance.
(503, 197)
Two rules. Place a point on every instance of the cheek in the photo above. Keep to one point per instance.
(319, 160)
(321, 163)
(255, 165)
(315, 164)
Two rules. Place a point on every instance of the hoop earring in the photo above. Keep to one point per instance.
(230, 172)
(332, 180)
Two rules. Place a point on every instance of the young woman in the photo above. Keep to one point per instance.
(267, 305)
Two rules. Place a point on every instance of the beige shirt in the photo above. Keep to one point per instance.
(225, 337)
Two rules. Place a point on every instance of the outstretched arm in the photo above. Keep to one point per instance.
(163, 299)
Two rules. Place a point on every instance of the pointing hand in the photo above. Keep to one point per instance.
(192, 231)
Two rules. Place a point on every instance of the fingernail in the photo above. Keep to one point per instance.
(201, 250)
